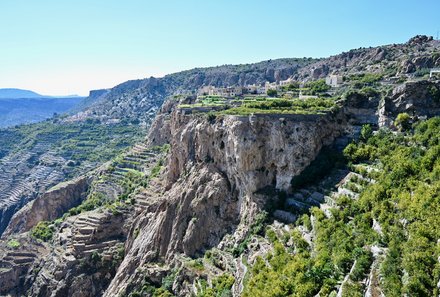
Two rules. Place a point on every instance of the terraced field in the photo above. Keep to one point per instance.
(35, 157)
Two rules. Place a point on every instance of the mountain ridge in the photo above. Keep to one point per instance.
(15, 93)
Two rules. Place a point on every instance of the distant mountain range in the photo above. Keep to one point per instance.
(16, 111)
(11, 93)
(18, 93)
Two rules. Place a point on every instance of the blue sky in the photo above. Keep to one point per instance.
(61, 47)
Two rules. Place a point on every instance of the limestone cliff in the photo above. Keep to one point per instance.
(214, 172)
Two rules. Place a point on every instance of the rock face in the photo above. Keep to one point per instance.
(255, 151)
(214, 172)
(49, 206)
(160, 131)
(88, 251)
(361, 109)
(418, 99)
(16, 264)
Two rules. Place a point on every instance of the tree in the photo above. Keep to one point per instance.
(272, 93)
(403, 121)
(366, 132)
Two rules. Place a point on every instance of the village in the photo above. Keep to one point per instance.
(286, 88)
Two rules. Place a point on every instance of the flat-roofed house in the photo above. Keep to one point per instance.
(334, 80)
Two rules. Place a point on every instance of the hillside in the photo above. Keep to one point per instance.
(18, 94)
(394, 63)
(30, 110)
(140, 99)
(310, 190)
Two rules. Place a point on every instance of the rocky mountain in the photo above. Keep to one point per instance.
(276, 197)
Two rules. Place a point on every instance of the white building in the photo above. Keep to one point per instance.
(270, 86)
(334, 80)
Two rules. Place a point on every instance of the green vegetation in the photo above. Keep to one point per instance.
(434, 92)
(364, 79)
(256, 228)
(284, 106)
(366, 133)
(369, 92)
(156, 169)
(221, 287)
(132, 180)
(293, 86)
(148, 288)
(92, 202)
(403, 121)
(43, 231)
(214, 106)
(81, 142)
(13, 243)
(196, 264)
(316, 87)
(404, 200)
(272, 93)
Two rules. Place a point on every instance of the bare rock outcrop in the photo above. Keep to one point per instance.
(214, 172)
(160, 131)
(49, 206)
(361, 108)
(418, 99)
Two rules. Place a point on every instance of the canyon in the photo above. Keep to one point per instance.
(207, 196)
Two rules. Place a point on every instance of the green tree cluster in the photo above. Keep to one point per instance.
(404, 200)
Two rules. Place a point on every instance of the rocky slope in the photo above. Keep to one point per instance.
(184, 211)
(141, 99)
(419, 99)
(409, 59)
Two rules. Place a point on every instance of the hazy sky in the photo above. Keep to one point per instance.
(60, 47)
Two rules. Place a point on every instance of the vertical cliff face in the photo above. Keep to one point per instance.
(214, 171)
(252, 151)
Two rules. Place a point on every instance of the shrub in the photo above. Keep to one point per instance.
(211, 117)
(221, 287)
(272, 93)
(403, 121)
(13, 243)
(317, 87)
(43, 231)
(369, 92)
(366, 132)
